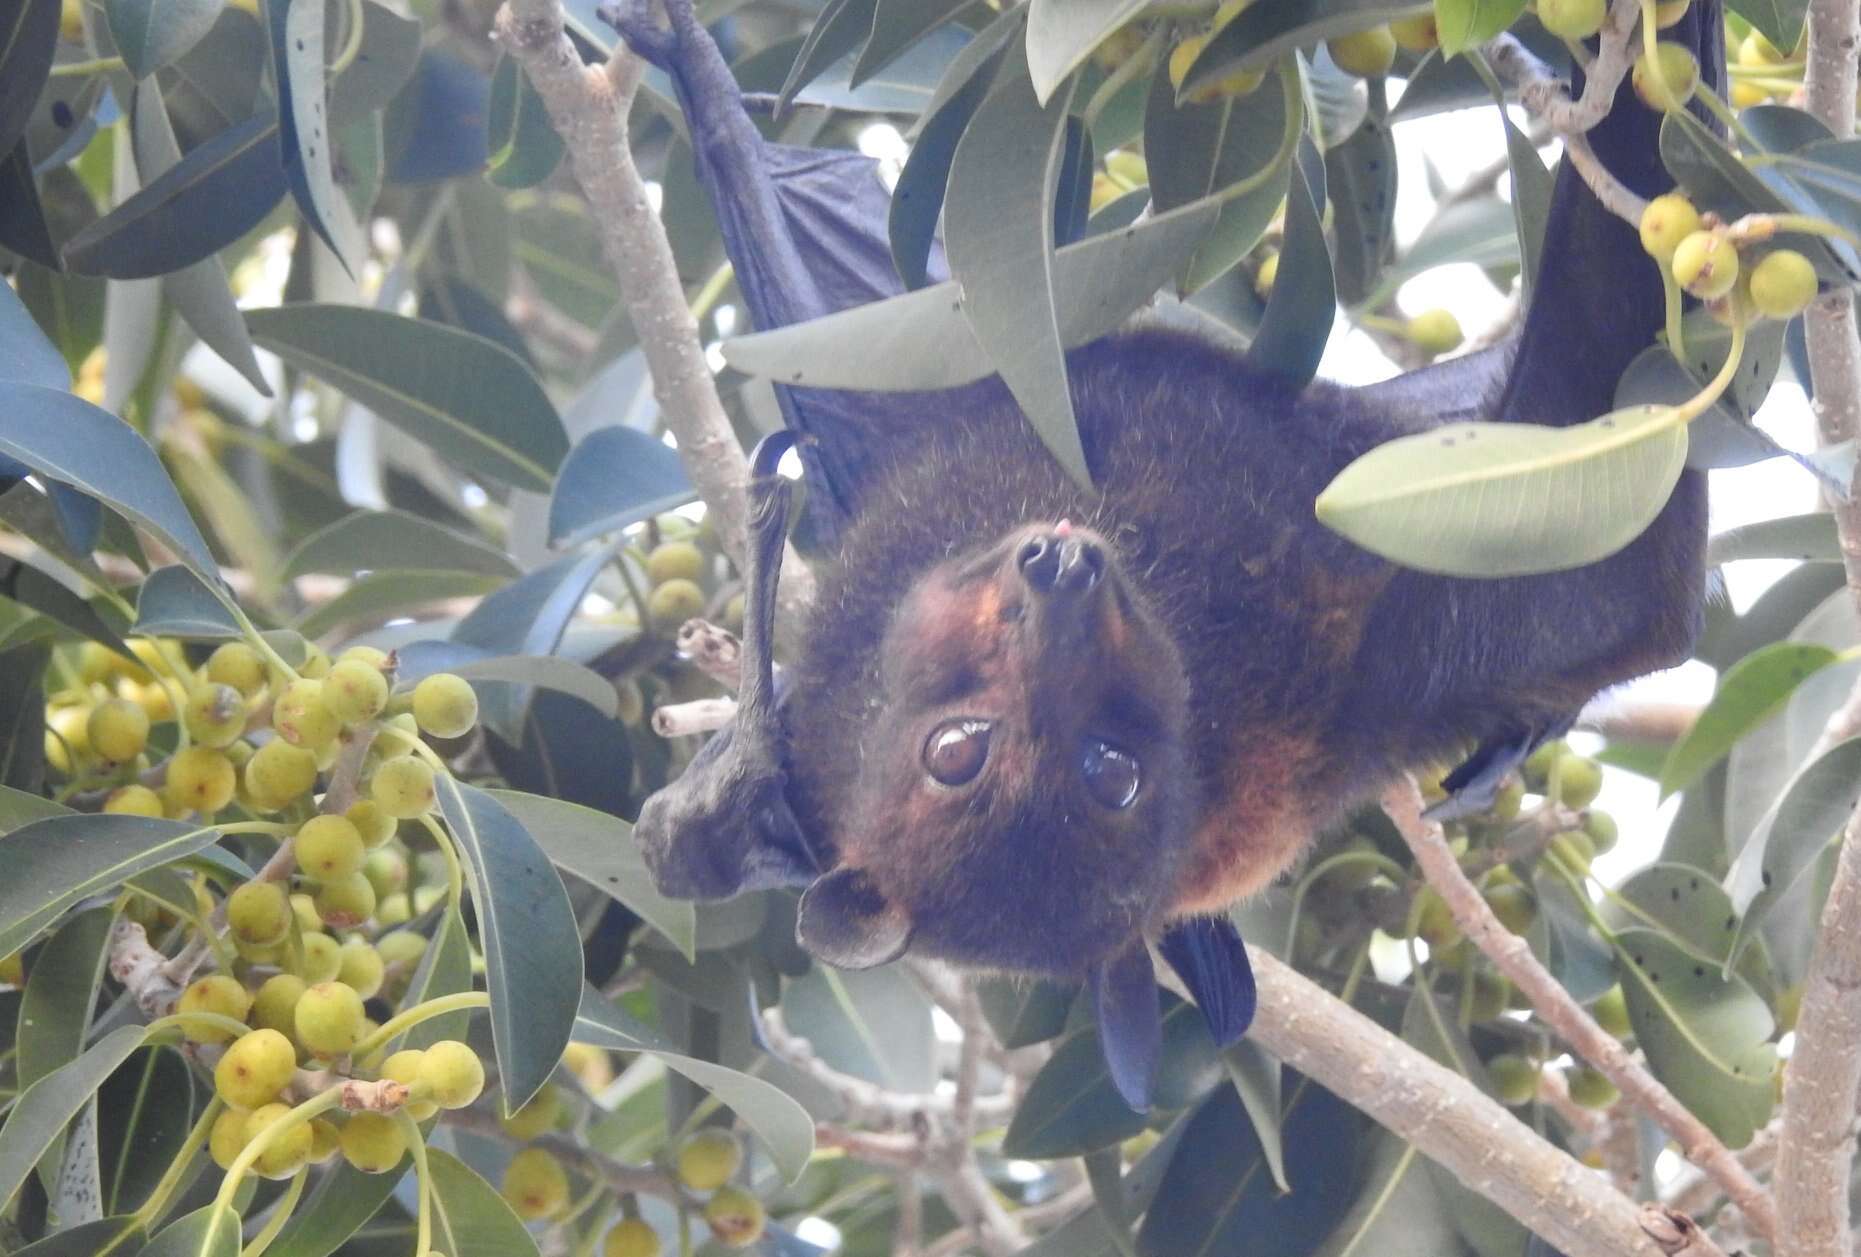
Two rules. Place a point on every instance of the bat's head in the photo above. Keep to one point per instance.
(1025, 796)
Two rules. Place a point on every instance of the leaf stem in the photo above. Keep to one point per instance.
(280, 1214)
(77, 69)
(352, 43)
(406, 1020)
(1705, 399)
(320, 1103)
(423, 1177)
(1139, 62)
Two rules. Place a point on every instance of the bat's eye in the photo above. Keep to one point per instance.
(956, 750)
(1111, 774)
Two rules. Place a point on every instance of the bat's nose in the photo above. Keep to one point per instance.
(1061, 562)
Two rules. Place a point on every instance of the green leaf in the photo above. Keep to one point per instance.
(470, 1218)
(1705, 1035)
(42, 1110)
(873, 1024)
(1072, 1107)
(32, 588)
(28, 40)
(334, 1210)
(1239, 149)
(896, 25)
(445, 969)
(173, 603)
(68, 439)
(613, 479)
(1809, 538)
(390, 49)
(150, 34)
(201, 294)
(1256, 1078)
(599, 849)
(1398, 1213)
(1263, 33)
(1753, 690)
(297, 63)
(1061, 34)
(783, 1125)
(25, 354)
(921, 340)
(533, 949)
(1509, 499)
(207, 1232)
(105, 1235)
(842, 26)
(525, 149)
(379, 595)
(204, 202)
(473, 401)
(1466, 24)
(1304, 302)
(1694, 911)
(18, 808)
(373, 540)
(998, 236)
(144, 1113)
(54, 1015)
(1780, 20)
(1531, 182)
(56, 862)
(1024, 1011)
(22, 716)
(1360, 178)
(1482, 231)
(23, 228)
(1804, 818)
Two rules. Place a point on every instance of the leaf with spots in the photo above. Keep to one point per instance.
(1706, 1036)
(1808, 814)
(1691, 907)
(1749, 693)
(304, 127)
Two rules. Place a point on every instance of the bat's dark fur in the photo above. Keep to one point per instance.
(1314, 670)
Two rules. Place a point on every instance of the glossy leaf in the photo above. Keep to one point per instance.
(1490, 499)
(471, 400)
(42, 1110)
(1465, 24)
(1303, 305)
(470, 1217)
(532, 946)
(28, 39)
(1804, 818)
(1780, 20)
(338, 1206)
(599, 849)
(1025, 1011)
(922, 341)
(1705, 1035)
(22, 707)
(1073, 1107)
(784, 1126)
(55, 1013)
(198, 206)
(896, 26)
(1061, 34)
(150, 34)
(23, 228)
(525, 149)
(32, 588)
(612, 479)
(68, 439)
(297, 63)
(1398, 1213)
(1001, 254)
(25, 354)
(373, 540)
(61, 860)
(1753, 690)
(873, 1024)
(843, 25)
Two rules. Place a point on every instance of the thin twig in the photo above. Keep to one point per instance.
(1553, 1004)
(617, 1175)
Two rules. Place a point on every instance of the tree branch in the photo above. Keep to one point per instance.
(1451, 1120)
(1815, 1152)
(1552, 1003)
(588, 107)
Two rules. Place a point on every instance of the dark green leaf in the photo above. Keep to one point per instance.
(297, 63)
(533, 949)
(105, 1235)
(28, 38)
(380, 595)
(842, 26)
(195, 208)
(1072, 1106)
(1780, 20)
(1809, 538)
(1531, 182)
(42, 1110)
(1398, 1213)
(1465, 24)
(1360, 178)
(599, 849)
(1256, 1077)
(1705, 1035)
(22, 216)
(1804, 819)
(69, 307)
(150, 34)
(173, 603)
(22, 717)
(896, 25)
(373, 540)
(32, 588)
(1263, 33)
(25, 354)
(614, 478)
(1304, 304)
(528, 617)
(525, 149)
(998, 236)
(19, 808)
(206, 1232)
(1749, 693)
(1217, 1196)
(1025, 1011)
(471, 400)
(921, 340)
(338, 1206)
(873, 1024)
(61, 860)
(783, 1125)
(54, 1015)
(144, 1113)
(445, 968)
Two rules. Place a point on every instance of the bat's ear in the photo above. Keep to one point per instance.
(847, 921)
